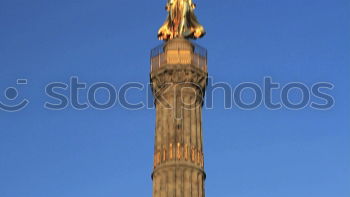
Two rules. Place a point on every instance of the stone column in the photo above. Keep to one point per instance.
(178, 81)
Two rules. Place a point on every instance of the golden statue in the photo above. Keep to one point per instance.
(181, 21)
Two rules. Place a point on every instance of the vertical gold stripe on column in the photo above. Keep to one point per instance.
(202, 161)
(158, 157)
(178, 151)
(186, 152)
(198, 157)
(164, 153)
(171, 151)
(193, 153)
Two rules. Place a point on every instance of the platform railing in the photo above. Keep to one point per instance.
(198, 57)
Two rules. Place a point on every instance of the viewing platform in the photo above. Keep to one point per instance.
(179, 52)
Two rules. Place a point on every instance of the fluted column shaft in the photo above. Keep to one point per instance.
(178, 87)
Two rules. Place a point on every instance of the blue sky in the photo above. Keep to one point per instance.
(92, 153)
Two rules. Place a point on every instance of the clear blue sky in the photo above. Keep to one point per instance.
(91, 153)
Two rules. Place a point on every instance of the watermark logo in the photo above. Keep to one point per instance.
(11, 94)
(269, 94)
(263, 95)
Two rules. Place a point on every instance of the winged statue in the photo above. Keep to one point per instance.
(181, 21)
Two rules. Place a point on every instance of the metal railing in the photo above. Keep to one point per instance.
(198, 59)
